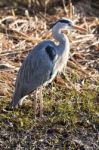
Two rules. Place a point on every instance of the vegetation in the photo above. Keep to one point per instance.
(70, 102)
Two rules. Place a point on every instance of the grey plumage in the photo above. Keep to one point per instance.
(34, 72)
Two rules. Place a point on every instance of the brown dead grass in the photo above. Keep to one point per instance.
(19, 35)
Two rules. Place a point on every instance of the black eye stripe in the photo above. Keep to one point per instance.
(62, 21)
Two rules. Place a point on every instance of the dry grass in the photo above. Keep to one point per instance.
(18, 36)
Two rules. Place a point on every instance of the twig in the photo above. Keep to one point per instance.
(95, 43)
(70, 9)
(11, 53)
(65, 10)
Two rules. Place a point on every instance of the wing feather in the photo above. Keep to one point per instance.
(35, 71)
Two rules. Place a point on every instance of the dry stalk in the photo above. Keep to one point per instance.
(64, 6)
(36, 31)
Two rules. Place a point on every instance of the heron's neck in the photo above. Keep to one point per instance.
(61, 38)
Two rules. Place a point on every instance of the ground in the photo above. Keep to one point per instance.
(70, 102)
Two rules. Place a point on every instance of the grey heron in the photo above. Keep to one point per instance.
(43, 63)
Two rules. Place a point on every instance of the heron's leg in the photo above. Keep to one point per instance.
(35, 102)
(41, 102)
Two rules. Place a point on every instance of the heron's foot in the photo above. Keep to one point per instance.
(43, 117)
(40, 118)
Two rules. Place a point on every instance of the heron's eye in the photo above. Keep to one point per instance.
(70, 23)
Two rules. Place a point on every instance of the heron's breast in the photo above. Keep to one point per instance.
(60, 64)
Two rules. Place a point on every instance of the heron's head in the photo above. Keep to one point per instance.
(65, 23)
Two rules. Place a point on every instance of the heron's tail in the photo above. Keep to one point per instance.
(16, 97)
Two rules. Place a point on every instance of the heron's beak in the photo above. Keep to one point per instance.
(79, 28)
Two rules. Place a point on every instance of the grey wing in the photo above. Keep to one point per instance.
(34, 72)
